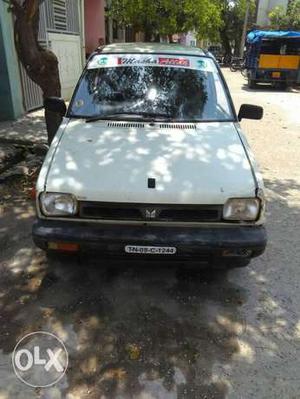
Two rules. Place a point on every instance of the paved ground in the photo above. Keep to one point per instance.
(145, 332)
(29, 129)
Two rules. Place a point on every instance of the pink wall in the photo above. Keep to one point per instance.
(94, 22)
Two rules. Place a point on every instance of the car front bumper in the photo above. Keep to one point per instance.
(190, 242)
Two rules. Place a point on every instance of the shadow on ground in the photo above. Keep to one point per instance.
(130, 330)
(142, 330)
(267, 88)
(30, 128)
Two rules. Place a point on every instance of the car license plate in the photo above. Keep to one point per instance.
(275, 74)
(141, 250)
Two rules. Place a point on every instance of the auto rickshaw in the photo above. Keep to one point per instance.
(273, 57)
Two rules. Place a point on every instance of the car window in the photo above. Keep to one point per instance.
(183, 89)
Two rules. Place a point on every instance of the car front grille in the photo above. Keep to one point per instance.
(150, 212)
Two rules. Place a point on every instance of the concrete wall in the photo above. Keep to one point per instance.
(11, 106)
(94, 18)
(264, 7)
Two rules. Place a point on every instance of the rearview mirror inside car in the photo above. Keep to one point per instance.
(248, 111)
(55, 104)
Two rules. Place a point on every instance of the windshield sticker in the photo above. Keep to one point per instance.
(137, 60)
(102, 61)
(118, 60)
(99, 62)
(201, 64)
(79, 103)
(174, 61)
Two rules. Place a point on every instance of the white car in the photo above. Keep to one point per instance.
(149, 161)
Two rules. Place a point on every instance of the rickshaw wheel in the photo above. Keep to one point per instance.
(251, 83)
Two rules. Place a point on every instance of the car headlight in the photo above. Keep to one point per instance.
(57, 204)
(242, 209)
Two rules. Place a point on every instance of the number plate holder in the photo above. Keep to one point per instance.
(149, 250)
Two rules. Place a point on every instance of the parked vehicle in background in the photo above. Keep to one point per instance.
(150, 161)
(217, 52)
(226, 60)
(273, 57)
(238, 64)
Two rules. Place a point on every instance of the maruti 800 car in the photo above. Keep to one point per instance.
(150, 161)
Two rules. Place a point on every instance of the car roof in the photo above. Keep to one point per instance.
(151, 48)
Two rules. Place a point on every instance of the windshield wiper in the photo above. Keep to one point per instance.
(152, 116)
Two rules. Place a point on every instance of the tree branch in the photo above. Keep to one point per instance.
(32, 7)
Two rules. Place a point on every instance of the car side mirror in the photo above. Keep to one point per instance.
(55, 104)
(55, 110)
(248, 111)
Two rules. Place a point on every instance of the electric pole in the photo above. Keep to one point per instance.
(243, 39)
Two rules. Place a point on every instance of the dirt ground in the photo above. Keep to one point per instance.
(153, 331)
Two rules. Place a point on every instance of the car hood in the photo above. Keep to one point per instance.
(105, 161)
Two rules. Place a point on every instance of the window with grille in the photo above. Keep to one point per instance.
(72, 16)
(60, 15)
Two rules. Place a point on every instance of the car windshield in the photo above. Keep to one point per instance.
(163, 87)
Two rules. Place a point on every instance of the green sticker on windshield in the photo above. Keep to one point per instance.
(102, 61)
(201, 64)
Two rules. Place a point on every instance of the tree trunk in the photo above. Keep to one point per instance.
(148, 35)
(40, 64)
(157, 38)
(225, 43)
(236, 47)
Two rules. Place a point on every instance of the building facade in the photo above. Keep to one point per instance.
(94, 21)
(188, 39)
(72, 29)
(11, 105)
(61, 30)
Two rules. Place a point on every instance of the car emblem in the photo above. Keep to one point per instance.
(150, 213)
